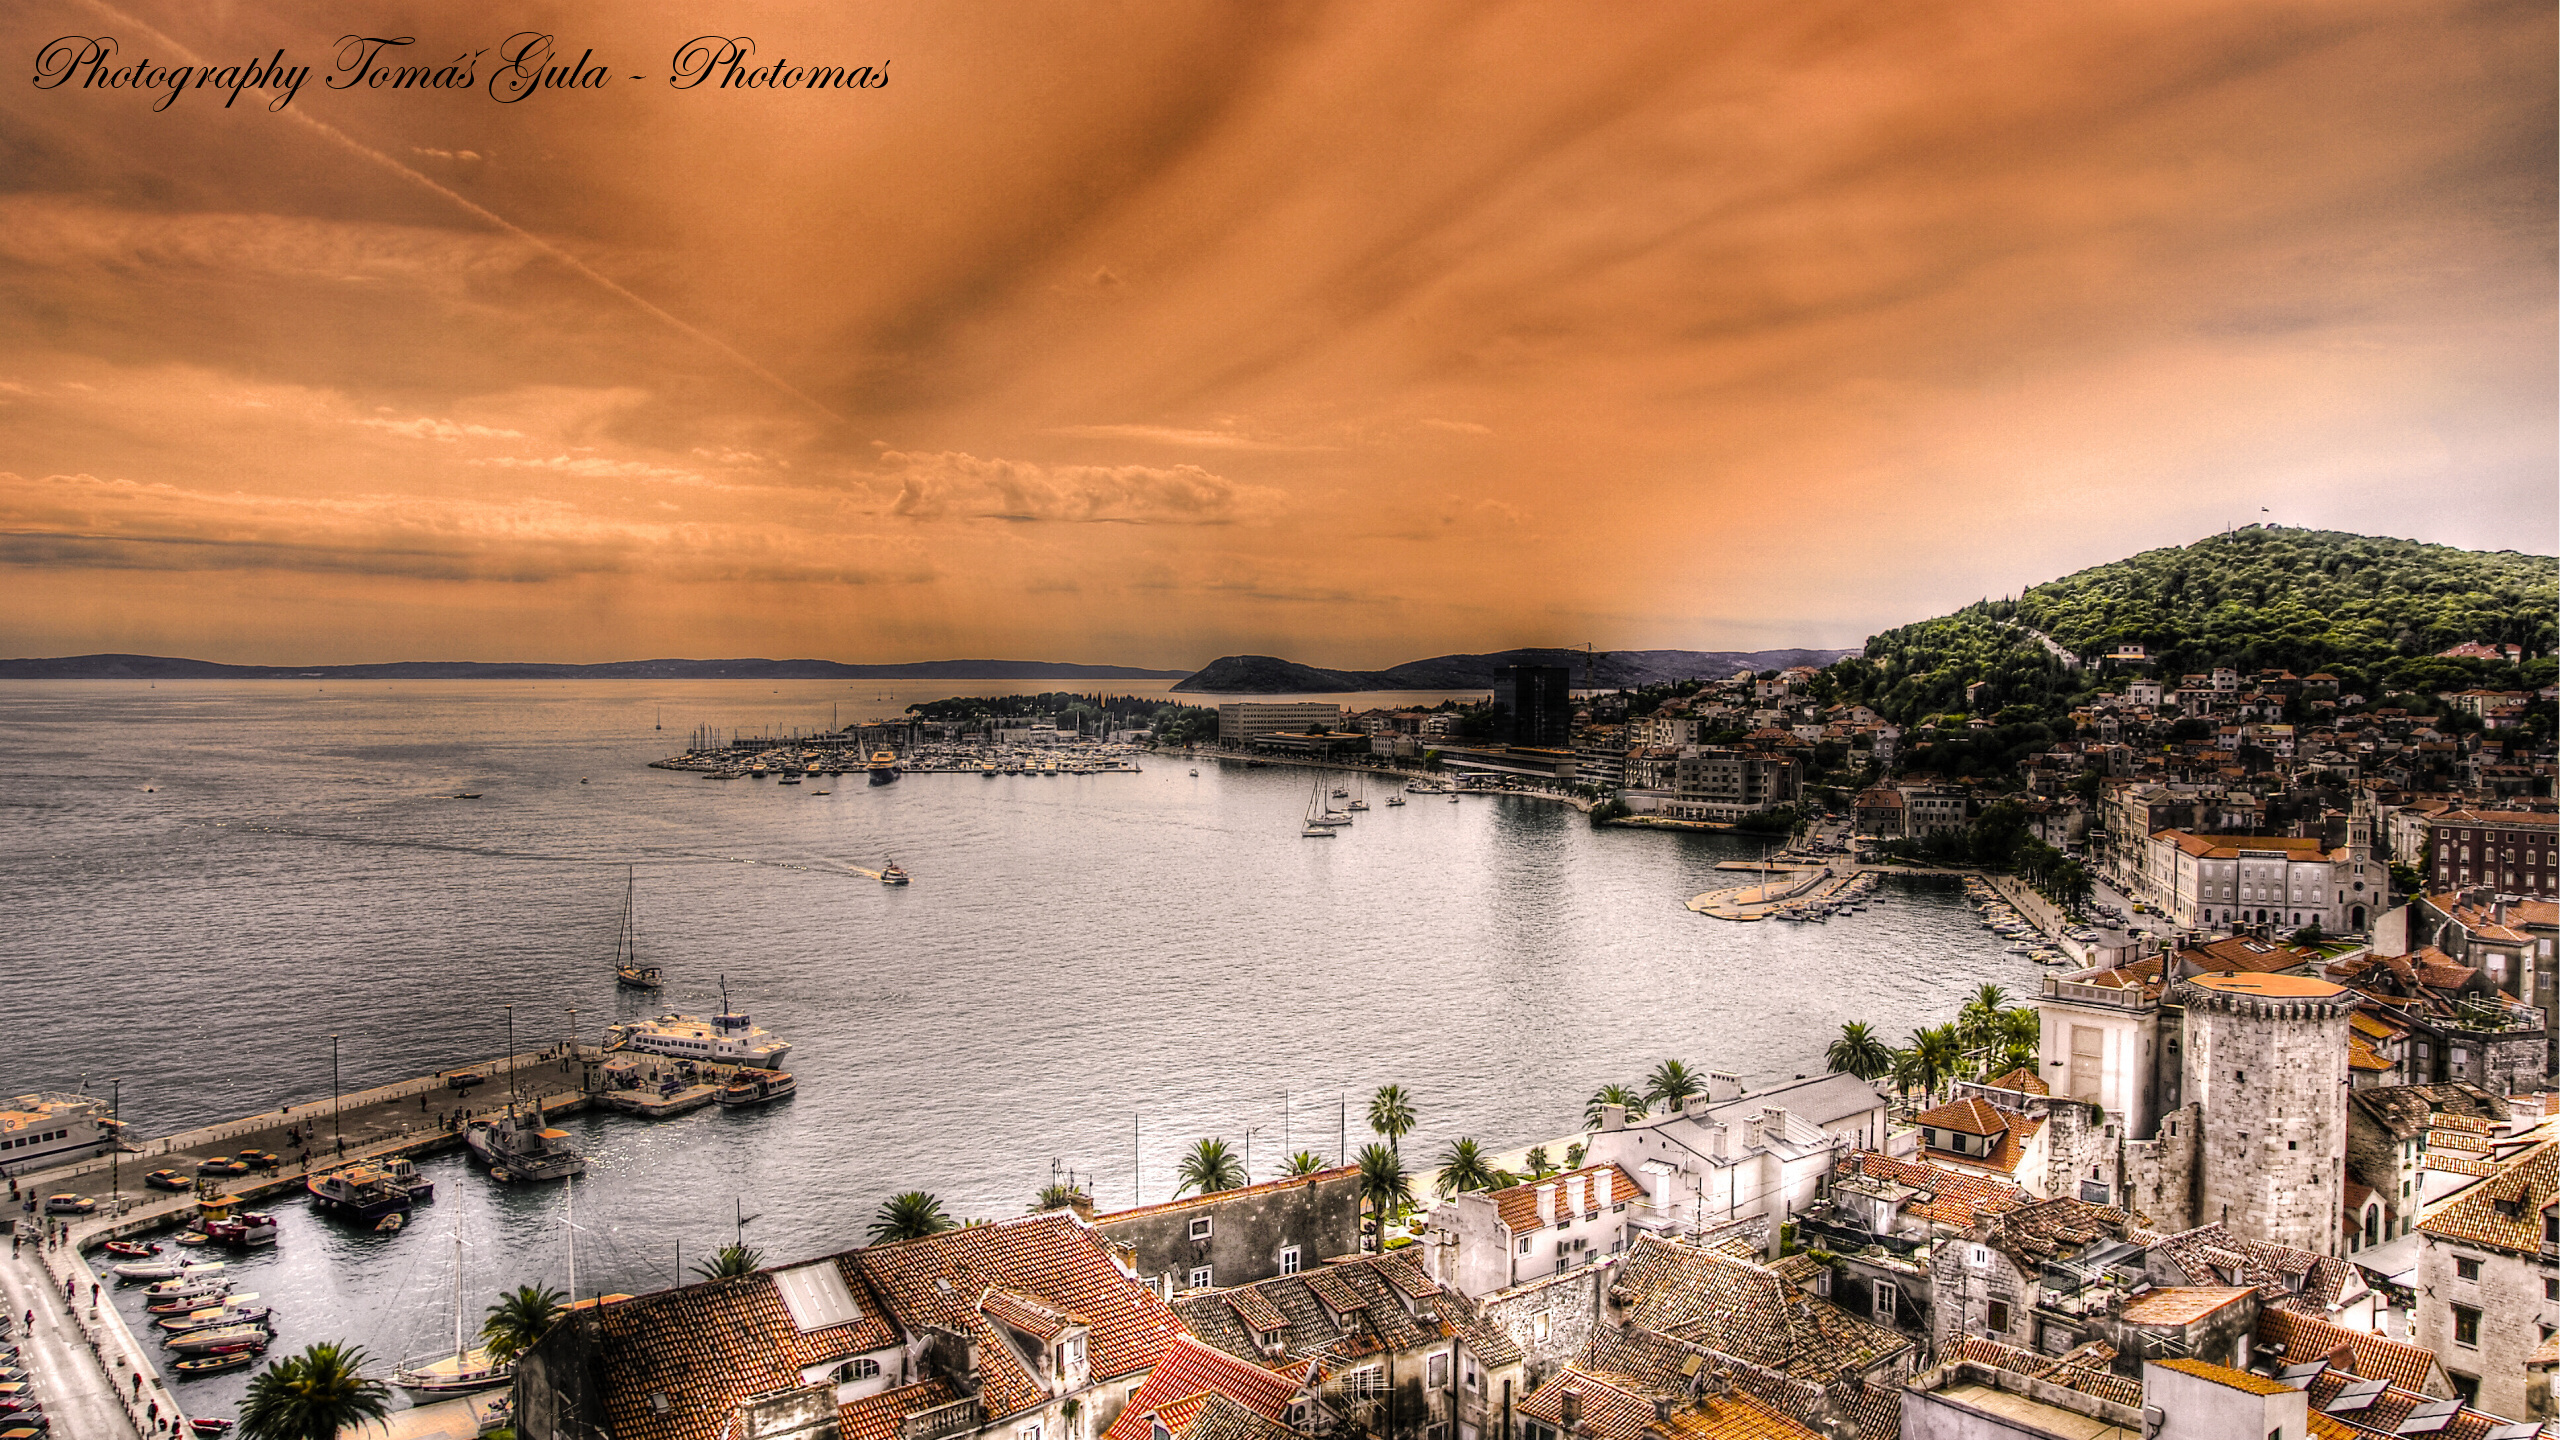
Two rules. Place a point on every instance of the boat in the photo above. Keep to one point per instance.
(883, 767)
(1195, 774)
(892, 875)
(367, 1192)
(185, 1304)
(219, 1338)
(1453, 799)
(245, 1230)
(1394, 800)
(628, 972)
(466, 1369)
(212, 1364)
(191, 1238)
(524, 1147)
(214, 1317)
(130, 1249)
(192, 1277)
(210, 1428)
(788, 780)
(391, 1223)
(728, 1038)
(757, 1087)
(48, 1125)
(166, 1269)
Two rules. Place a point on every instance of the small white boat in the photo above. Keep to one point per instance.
(1195, 774)
(164, 1268)
(1394, 800)
(1317, 832)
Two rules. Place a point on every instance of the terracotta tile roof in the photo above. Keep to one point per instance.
(2248, 955)
(2505, 1209)
(1968, 1115)
(705, 1347)
(2388, 1410)
(2282, 1274)
(1194, 1202)
(2360, 1056)
(1257, 1314)
(1303, 1308)
(2016, 1132)
(2410, 1110)
(1052, 1257)
(1737, 1308)
(1620, 1376)
(1955, 1198)
(2087, 1379)
(2240, 1380)
(876, 1417)
(2373, 1027)
(2462, 1165)
(2308, 1337)
(1218, 1417)
(2180, 1304)
(1518, 1204)
(1188, 1370)
(2048, 1229)
(1025, 1314)
(2024, 1080)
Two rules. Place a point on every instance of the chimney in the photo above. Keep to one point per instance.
(1723, 1085)
(1569, 1410)
(1601, 1186)
(1547, 1204)
(1573, 1195)
(1613, 1117)
(1715, 1141)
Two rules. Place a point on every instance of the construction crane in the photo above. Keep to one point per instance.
(1590, 664)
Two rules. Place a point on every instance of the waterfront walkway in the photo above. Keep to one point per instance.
(79, 1356)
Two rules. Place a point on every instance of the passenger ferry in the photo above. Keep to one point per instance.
(728, 1038)
(46, 1126)
(884, 767)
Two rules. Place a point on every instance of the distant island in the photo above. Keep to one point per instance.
(1608, 670)
(158, 667)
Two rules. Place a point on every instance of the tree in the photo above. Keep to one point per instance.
(1210, 1167)
(1540, 1167)
(1305, 1162)
(1463, 1167)
(1859, 1052)
(519, 1319)
(729, 1262)
(1936, 1054)
(1383, 1183)
(1672, 1085)
(1613, 1095)
(1573, 1154)
(313, 1395)
(908, 1215)
(1061, 1197)
(1391, 1114)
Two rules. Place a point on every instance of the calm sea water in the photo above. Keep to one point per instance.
(202, 881)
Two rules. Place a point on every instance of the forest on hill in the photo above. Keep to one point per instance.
(2373, 611)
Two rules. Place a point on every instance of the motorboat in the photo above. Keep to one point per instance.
(166, 1269)
(524, 1147)
(130, 1249)
(391, 1223)
(211, 1428)
(883, 767)
(215, 1363)
(243, 1231)
(217, 1339)
(187, 1304)
(890, 874)
(1394, 800)
(214, 1317)
(190, 1278)
(367, 1192)
(757, 1087)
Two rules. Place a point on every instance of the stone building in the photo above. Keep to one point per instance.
(2516, 852)
(2387, 1129)
(2037, 1277)
(2266, 1065)
(1487, 1240)
(2488, 1293)
(1235, 1237)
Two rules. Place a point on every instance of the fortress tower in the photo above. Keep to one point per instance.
(2266, 1062)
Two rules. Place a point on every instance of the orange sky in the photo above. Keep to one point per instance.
(1149, 332)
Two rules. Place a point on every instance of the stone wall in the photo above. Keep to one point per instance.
(1248, 1228)
(2160, 1174)
(1550, 1320)
(2271, 1074)
(2508, 1295)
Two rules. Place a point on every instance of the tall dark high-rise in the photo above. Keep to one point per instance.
(1536, 702)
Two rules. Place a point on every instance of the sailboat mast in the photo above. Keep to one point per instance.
(570, 1200)
(459, 1350)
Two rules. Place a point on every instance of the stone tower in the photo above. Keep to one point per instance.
(2363, 889)
(2266, 1063)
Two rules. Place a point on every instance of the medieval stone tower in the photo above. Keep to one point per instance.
(2266, 1060)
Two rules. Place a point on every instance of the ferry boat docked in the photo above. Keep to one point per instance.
(519, 1147)
(757, 1087)
(48, 1125)
(728, 1038)
(883, 767)
(369, 1191)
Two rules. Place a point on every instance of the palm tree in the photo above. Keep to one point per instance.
(313, 1395)
(1383, 1184)
(1060, 1197)
(1391, 1114)
(519, 1319)
(2022, 1029)
(1613, 1095)
(1305, 1162)
(1573, 1154)
(908, 1215)
(1859, 1052)
(729, 1262)
(1673, 1085)
(1937, 1053)
(1906, 1072)
(1539, 1166)
(1463, 1167)
(1210, 1167)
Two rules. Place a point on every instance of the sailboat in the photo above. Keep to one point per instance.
(466, 1369)
(1360, 795)
(1324, 813)
(1315, 828)
(628, 972)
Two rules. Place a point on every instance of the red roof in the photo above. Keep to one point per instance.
(1519, 1203)
(1189, 1370)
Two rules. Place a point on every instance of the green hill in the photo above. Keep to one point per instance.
(2370, 610)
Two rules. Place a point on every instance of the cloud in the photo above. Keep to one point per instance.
(950, 483)
(424, 428)
(1172, 435)
(1463, 427)
(592, 467)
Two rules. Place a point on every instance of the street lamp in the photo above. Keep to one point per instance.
(334, 1093)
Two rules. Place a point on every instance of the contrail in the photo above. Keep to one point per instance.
(345, 141)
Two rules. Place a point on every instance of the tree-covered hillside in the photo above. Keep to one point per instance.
(2370, 610)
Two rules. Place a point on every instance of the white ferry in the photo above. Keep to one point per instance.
(41, 1128)
(728, 1038)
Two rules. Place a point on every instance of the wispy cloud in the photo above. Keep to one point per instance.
(950, 483)
(1171, 435)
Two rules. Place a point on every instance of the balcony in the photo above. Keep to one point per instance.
(956, 1417)
(2129, 998)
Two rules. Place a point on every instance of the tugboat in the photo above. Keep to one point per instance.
(628, 972)
(757, 1087)
(883, 767)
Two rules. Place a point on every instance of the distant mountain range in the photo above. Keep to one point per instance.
(1613, 669)
(157, 667)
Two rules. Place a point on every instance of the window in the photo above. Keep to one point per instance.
(865, 1368)
(1199, 1277)
(1998, 1316)
(2466, 1325)
(1199, 1227)
(1364, 1383)
(1538, 1328)
(1888, 1301)
(1288, 1259)
(1028, 1432)
(2550, 1288)
(1474, 1378)
(1524, 1244)
(2465, 1268)
(1439, 1372)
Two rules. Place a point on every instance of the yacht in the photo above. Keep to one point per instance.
(883, 767)
(468, 1368)
(728, 1038)
(369, 1191)
(44, 1126)
(524, 1147)
(1394, 800)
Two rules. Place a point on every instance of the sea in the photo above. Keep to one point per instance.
(204, 882)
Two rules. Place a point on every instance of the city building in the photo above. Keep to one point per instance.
(2488, 1294)
(1536, 703)
(1719, 782)
(2510, 851)
(1236, 1237)
(1246, 722)
(1480, 1241)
